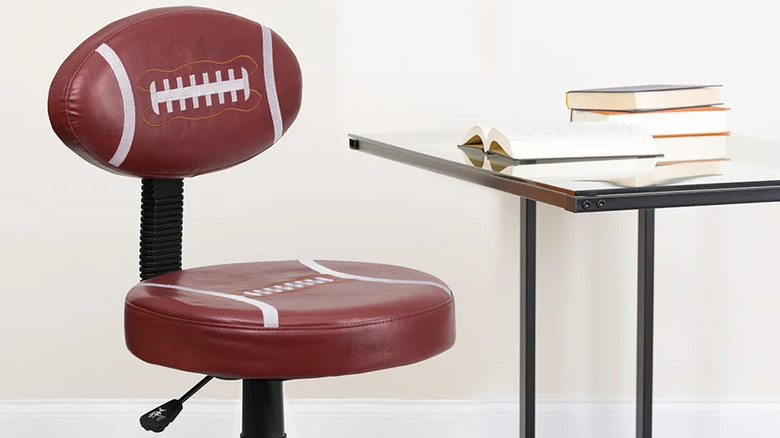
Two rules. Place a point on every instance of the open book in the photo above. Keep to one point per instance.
(617, 168)
(561, 141)
(637, 172)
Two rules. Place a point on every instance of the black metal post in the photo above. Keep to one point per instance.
(262, 409)
(527, 317)
(644, 365)
(162, 210)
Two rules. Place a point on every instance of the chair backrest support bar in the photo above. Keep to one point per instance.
(162, 209)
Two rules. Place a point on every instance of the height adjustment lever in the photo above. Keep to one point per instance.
(160, 417)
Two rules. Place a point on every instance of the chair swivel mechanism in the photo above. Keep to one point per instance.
(177, 92)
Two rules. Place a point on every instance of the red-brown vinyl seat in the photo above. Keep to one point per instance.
(289, 319)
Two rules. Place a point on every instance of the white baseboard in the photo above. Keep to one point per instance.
(671, 419)
(396, 418)
(303, 418)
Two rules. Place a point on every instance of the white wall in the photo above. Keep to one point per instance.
(69, 231)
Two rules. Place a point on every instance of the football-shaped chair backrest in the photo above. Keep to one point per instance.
(175, 92)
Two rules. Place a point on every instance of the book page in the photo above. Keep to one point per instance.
(520, 132)
(569, 140)
(476, 135)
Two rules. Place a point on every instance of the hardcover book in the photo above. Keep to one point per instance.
(684, 121)
(665, 173)
(692, 147)
(644, 97)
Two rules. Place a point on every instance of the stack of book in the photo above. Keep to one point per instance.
(688, 123)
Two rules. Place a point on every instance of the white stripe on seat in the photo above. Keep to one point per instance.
(270, 314)
(311, 264)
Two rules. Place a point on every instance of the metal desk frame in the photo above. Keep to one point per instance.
(645, 200)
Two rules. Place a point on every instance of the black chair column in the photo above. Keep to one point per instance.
(262, 410)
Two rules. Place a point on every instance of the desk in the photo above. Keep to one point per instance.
(740, 182)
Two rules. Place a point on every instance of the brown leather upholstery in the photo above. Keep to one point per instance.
(289, 319)
(175, 92)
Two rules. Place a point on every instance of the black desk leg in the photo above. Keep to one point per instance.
(527, 317)
(644, 365)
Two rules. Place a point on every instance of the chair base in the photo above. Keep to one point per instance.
(262, 413)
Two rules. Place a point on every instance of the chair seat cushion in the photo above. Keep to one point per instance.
(289, 319)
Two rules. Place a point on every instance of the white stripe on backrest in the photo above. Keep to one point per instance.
(194, 91)
(311, 264)
(270, 314)
(195, 99)
(182, 102)
(221, 93)
(166, 89)
(245, 83)
(206, 82)
(231, 78)
(270, 83)
(128, 104)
